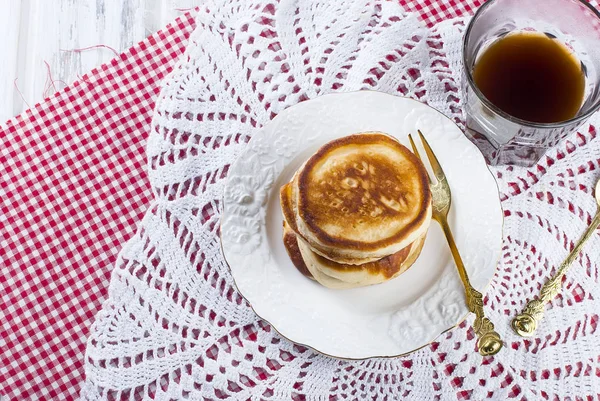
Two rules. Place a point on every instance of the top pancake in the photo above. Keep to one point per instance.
(361, 195)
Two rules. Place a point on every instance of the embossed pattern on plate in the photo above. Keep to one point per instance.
(388, 319)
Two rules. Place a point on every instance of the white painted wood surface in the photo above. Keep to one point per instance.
(33, 32)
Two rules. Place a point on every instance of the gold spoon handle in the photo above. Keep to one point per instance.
(525, 323)
(489, 341)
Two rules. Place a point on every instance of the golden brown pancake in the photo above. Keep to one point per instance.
(285, 199)
(340, 276)
(360, 198)
(291, 246)
(290, 219)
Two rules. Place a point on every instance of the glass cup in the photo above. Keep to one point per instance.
(505, 139)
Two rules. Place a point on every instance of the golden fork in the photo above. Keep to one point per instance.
(525, 323)
(489, 341)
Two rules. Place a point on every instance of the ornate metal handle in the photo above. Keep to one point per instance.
(489, 342)
(525, 323)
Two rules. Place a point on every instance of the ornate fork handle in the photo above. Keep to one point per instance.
(525, 323)
(489, 341)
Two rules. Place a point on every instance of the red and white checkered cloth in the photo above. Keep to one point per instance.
(73, 189)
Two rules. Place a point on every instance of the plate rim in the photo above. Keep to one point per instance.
(437, 336)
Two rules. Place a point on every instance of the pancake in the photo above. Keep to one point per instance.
(360, 198)
(340, 276)
(285, 199)
(368, 273)
(290, 219)
(291, 246)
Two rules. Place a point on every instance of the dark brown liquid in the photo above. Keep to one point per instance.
(531, 77)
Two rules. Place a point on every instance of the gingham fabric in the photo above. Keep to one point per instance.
(73, 189)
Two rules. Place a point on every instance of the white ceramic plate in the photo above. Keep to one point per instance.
(387, 319)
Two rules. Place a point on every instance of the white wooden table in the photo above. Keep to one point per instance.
(36, 32)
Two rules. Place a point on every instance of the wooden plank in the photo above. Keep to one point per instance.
(38, 31)
(10, 101)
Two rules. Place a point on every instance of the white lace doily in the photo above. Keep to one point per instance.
(174, 327)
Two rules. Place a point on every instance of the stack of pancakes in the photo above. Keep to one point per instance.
(357, 212)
